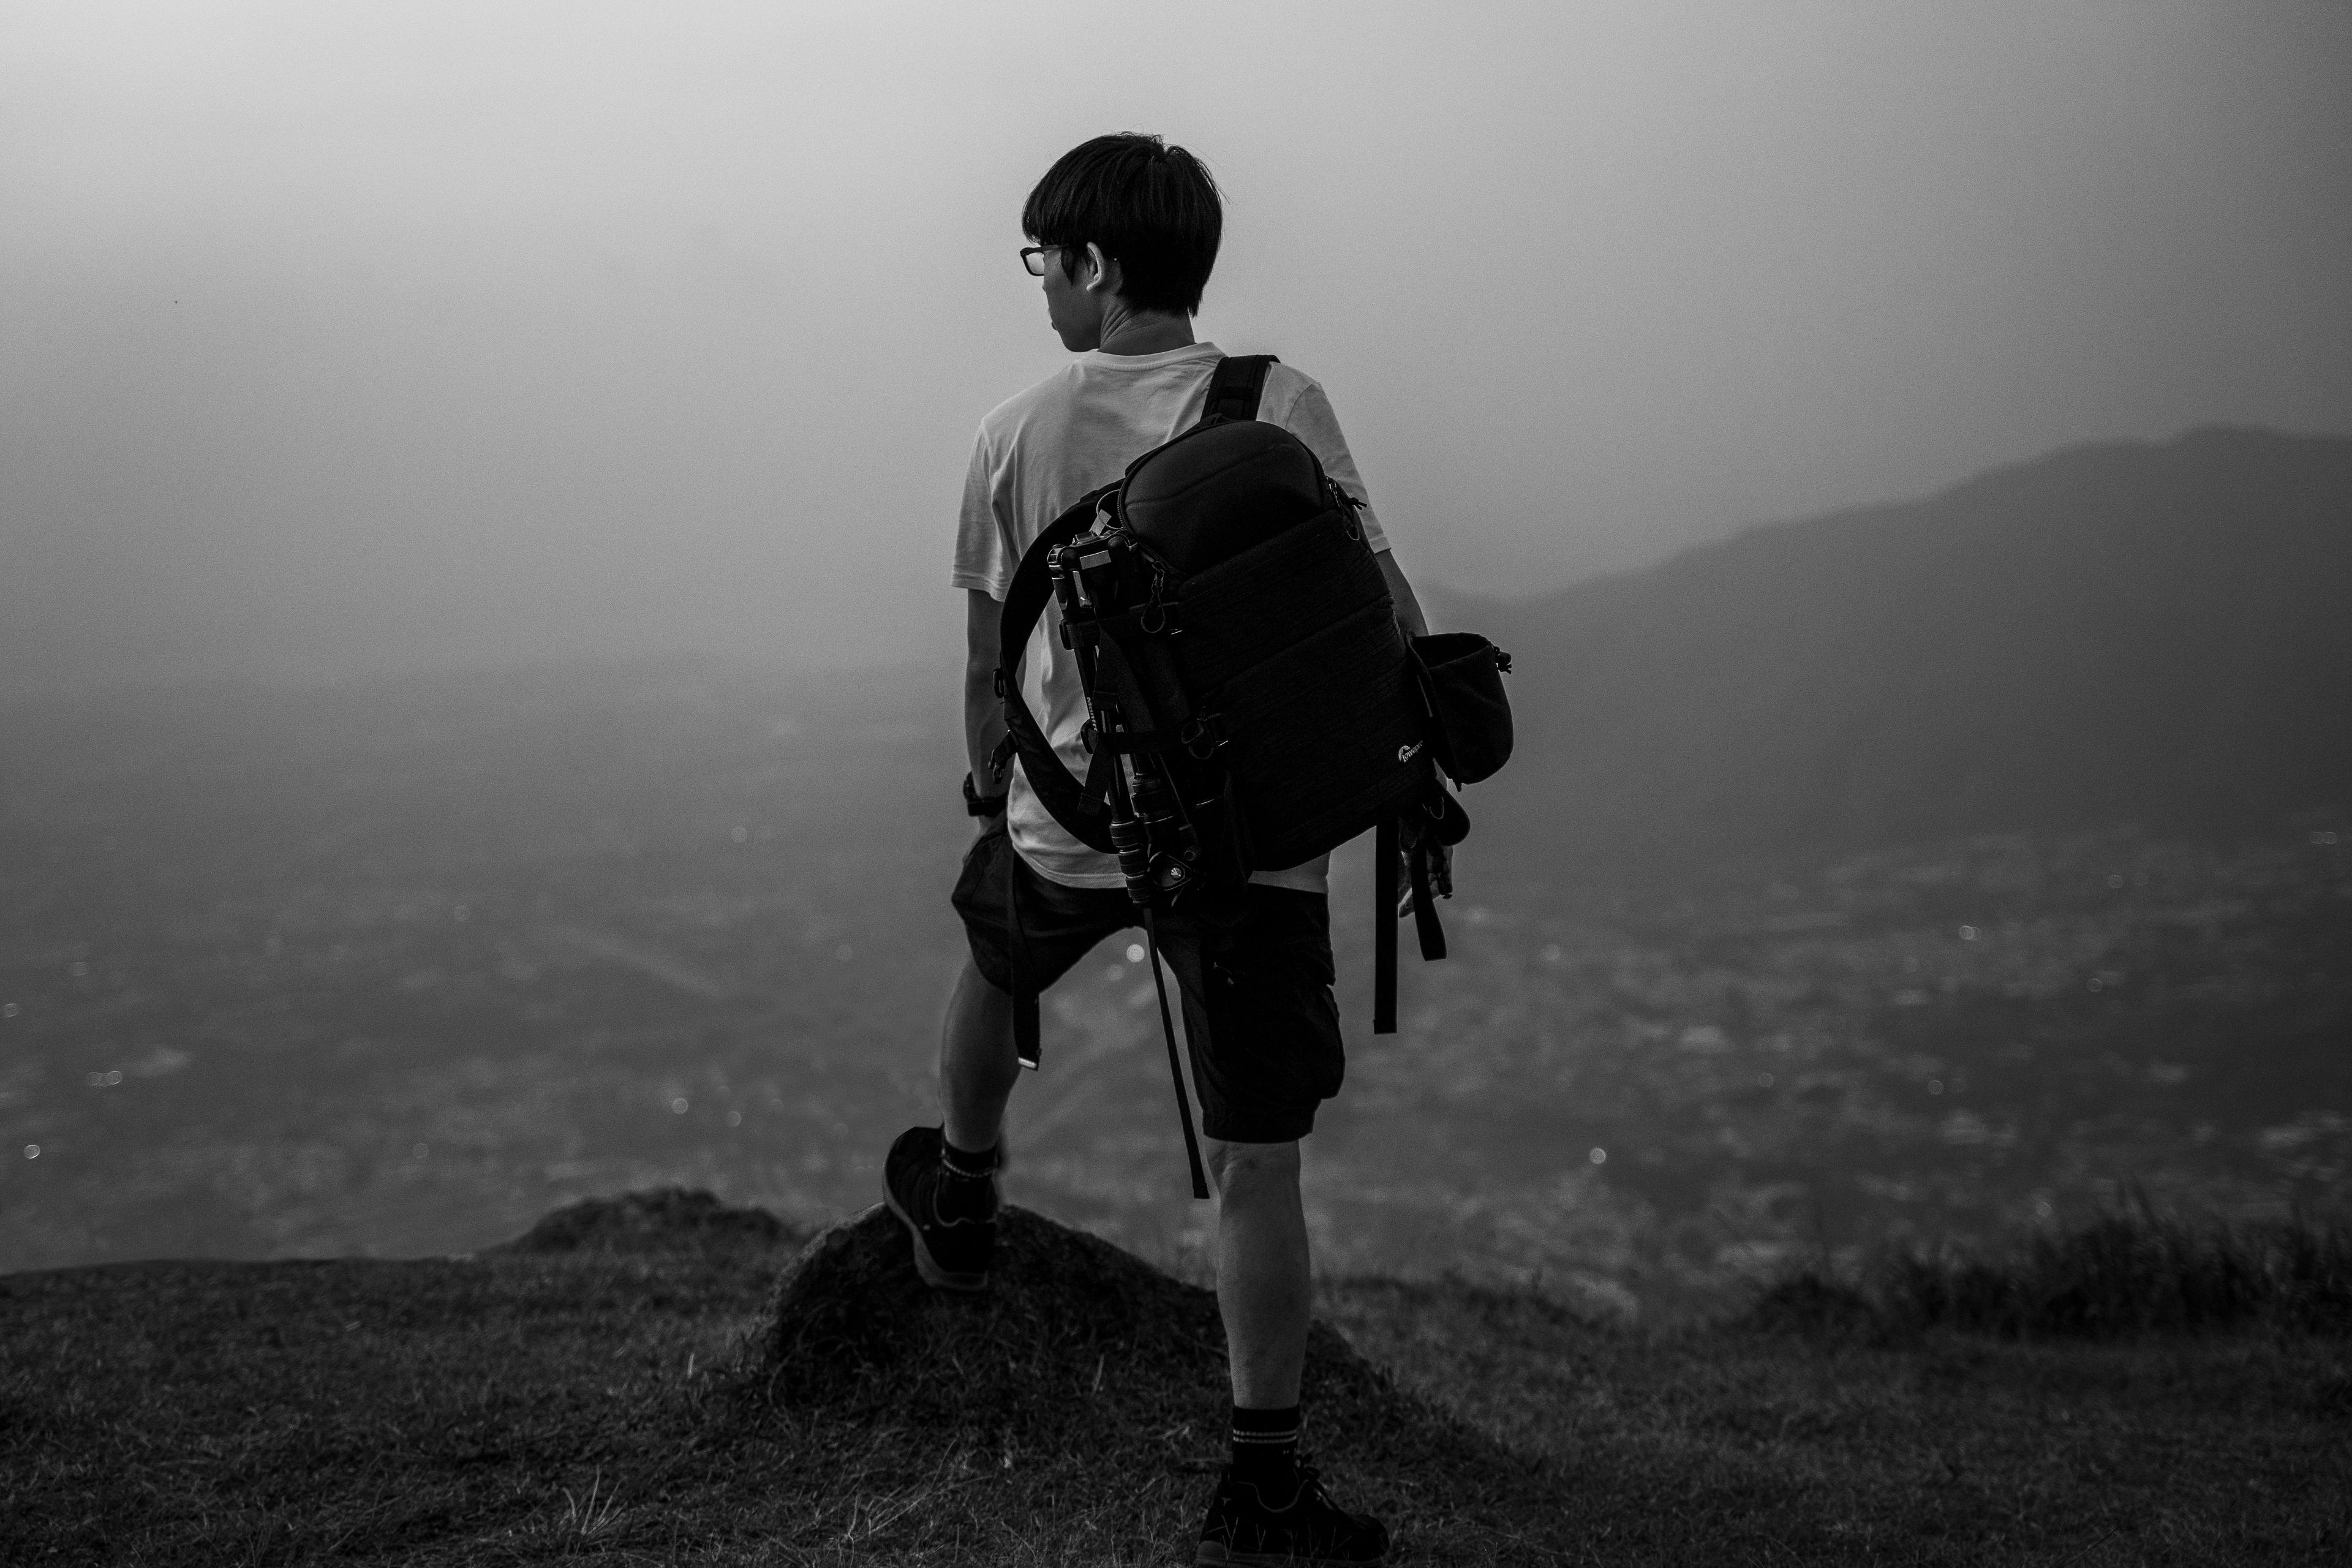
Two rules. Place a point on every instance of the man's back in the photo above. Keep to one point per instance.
(1037, 453)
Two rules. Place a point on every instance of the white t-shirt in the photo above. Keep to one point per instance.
(1038, 452)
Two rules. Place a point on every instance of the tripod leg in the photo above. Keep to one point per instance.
(1175, 1064)
(1384, 927)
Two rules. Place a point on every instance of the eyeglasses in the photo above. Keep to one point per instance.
(1033, 258)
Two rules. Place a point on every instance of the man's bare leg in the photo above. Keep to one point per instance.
(1264, 1289)
(977, 1064)
(947, 1196)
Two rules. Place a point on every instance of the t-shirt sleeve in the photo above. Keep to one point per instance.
(984, 557)
(1311, 420)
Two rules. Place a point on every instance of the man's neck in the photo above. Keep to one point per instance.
(1144, 332)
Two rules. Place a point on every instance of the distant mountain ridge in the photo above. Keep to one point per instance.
(2123, 632)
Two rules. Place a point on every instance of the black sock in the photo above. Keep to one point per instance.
(1266, 1447)
(969, 1191)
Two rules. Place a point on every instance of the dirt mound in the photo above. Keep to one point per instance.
(662, 1219)
(1065, 1315)
(1077, 1351)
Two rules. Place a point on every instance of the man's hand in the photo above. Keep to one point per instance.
(1441, 874)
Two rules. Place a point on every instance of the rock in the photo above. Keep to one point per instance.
(1069, 1321)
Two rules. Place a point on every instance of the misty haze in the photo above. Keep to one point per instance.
(478, 673)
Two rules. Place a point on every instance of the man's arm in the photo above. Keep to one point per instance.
(1408, 608)
(1415, 625)
(983, 715)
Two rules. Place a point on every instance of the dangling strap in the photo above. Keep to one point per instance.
(1026, 1033)
(1234, 388)
(1175, 1065)
(1384, 924)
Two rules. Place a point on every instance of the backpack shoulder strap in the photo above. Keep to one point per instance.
(1234, 388)
(1080, 807)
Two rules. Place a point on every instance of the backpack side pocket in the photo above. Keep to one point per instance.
(1460, 676)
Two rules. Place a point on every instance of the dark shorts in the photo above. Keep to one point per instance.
(1260, 1023)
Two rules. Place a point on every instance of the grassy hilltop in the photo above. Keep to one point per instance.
(656, 1380)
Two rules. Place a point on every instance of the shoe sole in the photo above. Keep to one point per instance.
(937, 1277)
(1215, 1555)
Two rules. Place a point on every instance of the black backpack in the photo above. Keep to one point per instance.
(1252, 702)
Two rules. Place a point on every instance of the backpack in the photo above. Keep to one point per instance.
(1252, 702)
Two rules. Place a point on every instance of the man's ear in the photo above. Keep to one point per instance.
(1105, 270)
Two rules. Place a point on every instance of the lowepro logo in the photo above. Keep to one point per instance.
(1407, 753)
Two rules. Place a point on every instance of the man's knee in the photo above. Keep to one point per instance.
(1246, 1167)
(977, 988)
(979, 1024)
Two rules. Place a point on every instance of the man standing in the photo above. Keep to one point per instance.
(1124, 231)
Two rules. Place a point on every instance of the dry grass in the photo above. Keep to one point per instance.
(621, 1405)
(2133, 1272)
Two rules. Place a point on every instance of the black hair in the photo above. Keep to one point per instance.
(1150, 206)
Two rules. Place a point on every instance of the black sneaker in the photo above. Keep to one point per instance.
(1244, 1527)
(954, 1239)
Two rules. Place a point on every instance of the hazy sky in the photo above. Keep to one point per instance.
(341, 338)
